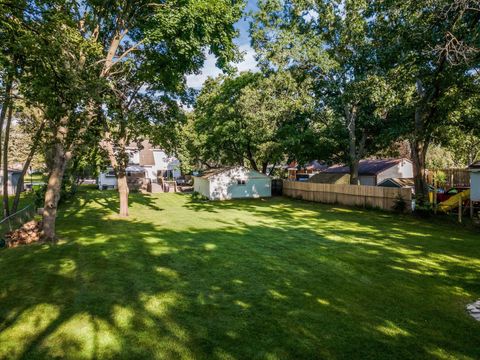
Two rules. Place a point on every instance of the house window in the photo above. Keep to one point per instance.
(110, 173)
(129, 173)
(241, 182)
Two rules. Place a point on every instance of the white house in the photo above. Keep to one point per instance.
(145, 161)
(233, 183)
(475, 181)
(13, 177)
(374, 172)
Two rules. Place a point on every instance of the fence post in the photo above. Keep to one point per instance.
(460, 210)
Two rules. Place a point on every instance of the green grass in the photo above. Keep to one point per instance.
(37, 177)
(253, 279)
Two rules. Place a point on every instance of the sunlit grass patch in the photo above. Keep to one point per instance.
(250, 279)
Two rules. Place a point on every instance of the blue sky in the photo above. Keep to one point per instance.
(243, 42)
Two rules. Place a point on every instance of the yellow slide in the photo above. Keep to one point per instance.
(452, 202)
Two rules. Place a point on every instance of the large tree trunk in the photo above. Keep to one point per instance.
(419, 146)
(52, 195)
(123, 193)
(6, 208)
(353, 158)
(419, 151)
(26, 165)
(354, 165)
(120, 172)
(5, 108)
(264, 168)
(250, 158)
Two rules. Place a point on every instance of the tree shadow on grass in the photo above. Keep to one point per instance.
(291, 286)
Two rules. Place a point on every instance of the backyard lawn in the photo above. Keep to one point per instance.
(260, 279)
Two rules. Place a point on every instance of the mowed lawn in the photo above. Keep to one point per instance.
(249, 279)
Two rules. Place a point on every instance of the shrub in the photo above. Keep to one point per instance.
(69, 189)
(196, 196)
(400, 205)
(424, 210)
(440, 178)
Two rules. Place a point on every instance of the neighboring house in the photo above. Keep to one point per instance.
(232, 183)
(327, 178)
(303, 173)
(146, 162)
(373, 172)
(13, 177)
(406, 183)
(474, 181)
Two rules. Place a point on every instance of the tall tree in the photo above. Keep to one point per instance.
(329, 42)
(161, 41)
(253, 118)
(432, 49)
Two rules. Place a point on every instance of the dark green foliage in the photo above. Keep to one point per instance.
(254, 119)
(400, 204)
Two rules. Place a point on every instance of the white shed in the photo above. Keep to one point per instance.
(475, 181)
(233, 183)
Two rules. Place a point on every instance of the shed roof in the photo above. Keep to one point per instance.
(400, 182)
(367, 167)
(330, 178)
(213, 172)
(475, 165)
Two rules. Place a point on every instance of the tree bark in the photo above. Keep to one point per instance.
(52, 195)
(5, 108)
(250, 158)
(123, 192)
(120, 172)
(21, 180)
(264, 168)
(6, 208)
(419, 151)
(353, 159)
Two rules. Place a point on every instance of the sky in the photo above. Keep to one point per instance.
(242, 41)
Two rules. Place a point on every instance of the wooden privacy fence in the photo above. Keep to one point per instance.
(453, 177)
(350, 195)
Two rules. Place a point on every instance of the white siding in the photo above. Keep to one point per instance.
(135, 157)
(150, 173)
(202, 186)
(226, 185)
(403, 170)
(109, 181)
(164, 162)
(475, 185)
(367, 180)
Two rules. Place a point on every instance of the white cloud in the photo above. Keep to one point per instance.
(210, 70)
(249, 62)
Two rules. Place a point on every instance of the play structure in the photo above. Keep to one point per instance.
(454, 201)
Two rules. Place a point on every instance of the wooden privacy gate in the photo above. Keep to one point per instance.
(350, 195)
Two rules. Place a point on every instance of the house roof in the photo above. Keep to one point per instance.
(135, 169)
(330, 178)
(208, 174)
(146, 154)
(366, 167)
(311, 165)
(475, 165)
(400, 182)
(316, 165)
